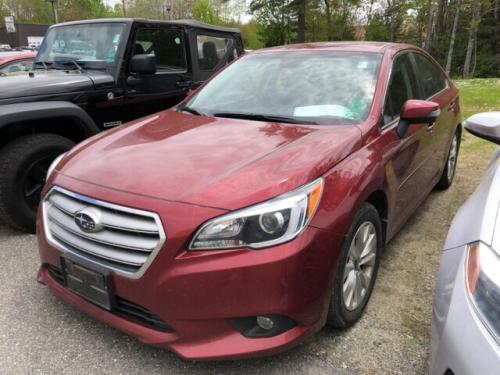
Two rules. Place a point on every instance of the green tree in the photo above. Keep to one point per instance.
(206, 11)
(377, 30)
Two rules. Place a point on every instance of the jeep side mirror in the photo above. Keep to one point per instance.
(485, 125)
(143, 64)
(417, 112)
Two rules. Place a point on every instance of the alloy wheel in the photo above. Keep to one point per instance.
(452, 158)
(358, 271)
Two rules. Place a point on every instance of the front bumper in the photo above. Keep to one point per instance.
(197, 293)
(460, 341)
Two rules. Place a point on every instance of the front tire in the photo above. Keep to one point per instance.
(451, 163)
(357, 268)
(23, 168)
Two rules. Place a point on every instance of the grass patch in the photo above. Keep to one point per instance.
(478, 95)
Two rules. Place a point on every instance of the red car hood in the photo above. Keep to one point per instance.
(215, 162)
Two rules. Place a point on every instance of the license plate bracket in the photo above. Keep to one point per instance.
(89, 281)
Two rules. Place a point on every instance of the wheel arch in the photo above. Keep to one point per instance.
(379, 200)
(61, 118)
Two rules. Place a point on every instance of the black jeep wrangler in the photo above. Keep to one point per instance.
(90, 76)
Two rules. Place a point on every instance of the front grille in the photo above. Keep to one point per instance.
(124, 308)
(127, 241)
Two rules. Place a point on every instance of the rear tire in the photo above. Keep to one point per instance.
(23, 168)
(357, 268)
(451, 163)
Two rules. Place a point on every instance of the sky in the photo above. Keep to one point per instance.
(112, 3)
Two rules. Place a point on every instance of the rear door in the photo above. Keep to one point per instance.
(162, 90)
(213, 51)
(434, 87)
(407, 159)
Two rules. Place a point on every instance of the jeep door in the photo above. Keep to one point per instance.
(213, 50)
(152, 93)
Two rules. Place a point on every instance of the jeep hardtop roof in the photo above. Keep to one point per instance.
(188, 23)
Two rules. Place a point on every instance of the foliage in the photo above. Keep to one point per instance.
(377, 29)
(205, 11)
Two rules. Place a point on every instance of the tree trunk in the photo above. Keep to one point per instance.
(328, 11)
(428, 37)
(301, 20)
(474, 23)
(439, 26)
(452, 38)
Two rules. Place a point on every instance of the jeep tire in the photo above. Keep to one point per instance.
(23, 167)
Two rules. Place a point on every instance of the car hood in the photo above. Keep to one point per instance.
(51, 82)
(214, 162)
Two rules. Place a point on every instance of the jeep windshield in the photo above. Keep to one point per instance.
(323, 87)
(80, 46)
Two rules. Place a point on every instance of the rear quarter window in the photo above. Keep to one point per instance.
(431, 76)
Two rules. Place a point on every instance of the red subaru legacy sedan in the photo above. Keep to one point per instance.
(256, 211)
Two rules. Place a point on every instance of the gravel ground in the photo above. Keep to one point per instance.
(40, 334)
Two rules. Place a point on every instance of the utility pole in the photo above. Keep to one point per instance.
(54, 10)
(123, 8)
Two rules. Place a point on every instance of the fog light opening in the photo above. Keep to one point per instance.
(265, 322)
(261, 326)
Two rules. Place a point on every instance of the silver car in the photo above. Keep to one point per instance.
(466, 313)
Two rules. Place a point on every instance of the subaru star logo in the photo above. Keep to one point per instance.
(89, 221)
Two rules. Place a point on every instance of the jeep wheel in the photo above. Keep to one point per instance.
(23, 168)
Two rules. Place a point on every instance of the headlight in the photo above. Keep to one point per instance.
(53, 165)
(267, 224)
(483, 284)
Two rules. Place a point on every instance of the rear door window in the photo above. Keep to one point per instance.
(211, 51)
(403, 86)
(166, 44)
(430, 75)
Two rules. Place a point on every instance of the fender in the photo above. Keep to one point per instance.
(354, 180)
(11, 113)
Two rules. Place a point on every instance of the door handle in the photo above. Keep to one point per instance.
(451, 107)
(184, 84)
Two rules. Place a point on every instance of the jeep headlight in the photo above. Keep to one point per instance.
(483, 284)
(266, 224)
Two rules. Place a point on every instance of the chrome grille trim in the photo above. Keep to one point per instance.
(128, 244)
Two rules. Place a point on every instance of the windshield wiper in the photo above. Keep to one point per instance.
(72, 62)
(190, 110)
(262, 117)
(45, 65)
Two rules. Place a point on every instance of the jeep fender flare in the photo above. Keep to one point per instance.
(20, 112)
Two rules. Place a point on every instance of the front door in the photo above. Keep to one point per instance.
(153, 93)
(407, 160)
(435, 88)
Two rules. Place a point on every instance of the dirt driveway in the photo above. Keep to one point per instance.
(39, 334)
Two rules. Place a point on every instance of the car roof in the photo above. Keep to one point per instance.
(188, 22)
(371, 47)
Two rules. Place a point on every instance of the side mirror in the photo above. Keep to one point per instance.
(143, 64)
(485, 125)
(417, 112)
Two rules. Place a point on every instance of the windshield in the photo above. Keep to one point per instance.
(91, 46)
(316, 87)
